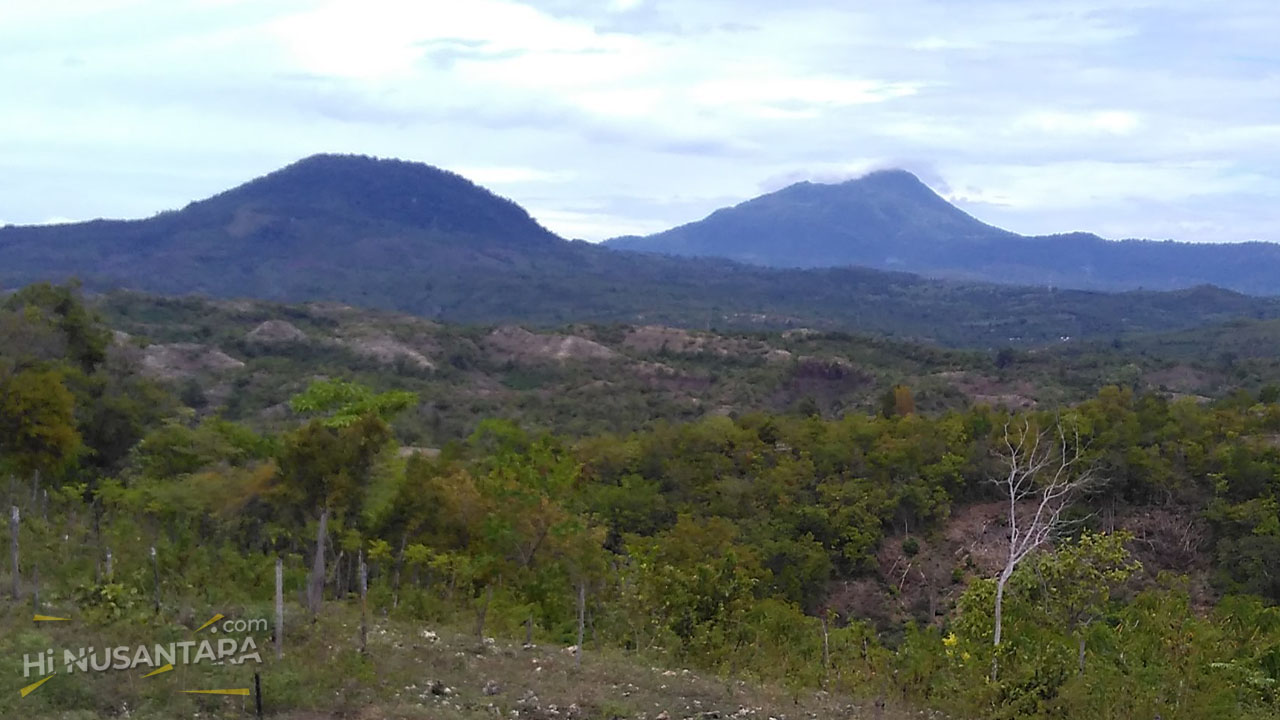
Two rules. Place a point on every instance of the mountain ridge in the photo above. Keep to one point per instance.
(891, 220)
(401, 236)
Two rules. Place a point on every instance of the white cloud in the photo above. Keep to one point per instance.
(382, 39)
(1093, 114)
(1113, 122)
(491, 175)
(750, 90)
(594, 226)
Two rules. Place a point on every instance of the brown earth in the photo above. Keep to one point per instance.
(186, 359)
(1180, 379)
(276, 331)
(983, 390)
(388, 350)
(519, 345)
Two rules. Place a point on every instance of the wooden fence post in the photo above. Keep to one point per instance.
(13, 530)
(364, 605)
(257, 693)
(279, 608)
(582, 618)
(155, 571)
(826, 652)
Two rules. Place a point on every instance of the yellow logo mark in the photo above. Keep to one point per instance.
(159, 671)
(32, 687)
(212, 620)
(232, 691)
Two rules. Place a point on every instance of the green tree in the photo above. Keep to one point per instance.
(37, 422)
(1076, 581)
(343, 403)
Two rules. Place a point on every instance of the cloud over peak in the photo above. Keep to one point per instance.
(1130, 117)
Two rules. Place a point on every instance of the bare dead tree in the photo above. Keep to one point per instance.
(1046, 472)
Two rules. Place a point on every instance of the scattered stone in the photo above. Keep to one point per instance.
(491, 687)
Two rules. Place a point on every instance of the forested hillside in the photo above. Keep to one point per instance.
(243, 360)
(856, 549)
(412, 238)
(890, 220)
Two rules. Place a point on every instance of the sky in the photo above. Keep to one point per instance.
(1129, 118)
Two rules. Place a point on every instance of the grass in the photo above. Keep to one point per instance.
(410, 670)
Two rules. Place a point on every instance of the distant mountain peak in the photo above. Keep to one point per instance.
(389, 191)
(887, 173)
(880, 219)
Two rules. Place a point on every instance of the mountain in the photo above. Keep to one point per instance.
(881, 219)
(402, 236)
(282, 233)
(891, 220)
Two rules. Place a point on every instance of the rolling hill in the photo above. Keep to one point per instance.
(242, 360)
(891, 220)
(404, 236)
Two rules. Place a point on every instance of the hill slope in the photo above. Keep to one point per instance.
(408, 237)
(891, 220)
(242, 360)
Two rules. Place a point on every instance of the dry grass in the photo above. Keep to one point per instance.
(436, 673)
(410, 670)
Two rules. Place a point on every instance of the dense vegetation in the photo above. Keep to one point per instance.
(408, 237)
(892, 221)
(815, 551)
(586, 379)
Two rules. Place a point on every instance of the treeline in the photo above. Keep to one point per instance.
(716, 543)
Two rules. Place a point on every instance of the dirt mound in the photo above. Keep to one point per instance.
(276, 331)
(1179, 379)
(387, 349)
(800, 333)
(518, 344)
(664, 377)
(653, 338)
(409, 451)
(185, 359)
(775, 355)
(657, 338)
(983, 390)
(809, 367)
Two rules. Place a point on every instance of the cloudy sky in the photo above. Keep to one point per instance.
(1130, 118)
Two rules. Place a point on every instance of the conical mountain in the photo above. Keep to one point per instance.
(891, 220)
(881, 219)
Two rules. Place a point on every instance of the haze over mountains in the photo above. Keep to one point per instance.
(409, 237)
(891, 220)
